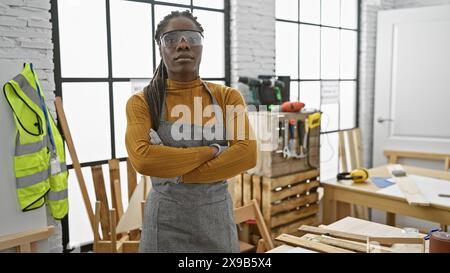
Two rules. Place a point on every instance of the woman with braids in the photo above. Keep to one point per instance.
(189, 208)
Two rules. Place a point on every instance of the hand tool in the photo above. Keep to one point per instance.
(291, 145)
(301, 132)
(286, 153)
(280, 137)
(314, 120)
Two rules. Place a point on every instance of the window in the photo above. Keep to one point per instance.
(317, 45)
(103, 50)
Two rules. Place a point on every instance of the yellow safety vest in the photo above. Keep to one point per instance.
(39, 161)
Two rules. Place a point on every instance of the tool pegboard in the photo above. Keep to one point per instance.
(288, 142)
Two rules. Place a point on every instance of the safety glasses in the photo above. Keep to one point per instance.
(172, 38)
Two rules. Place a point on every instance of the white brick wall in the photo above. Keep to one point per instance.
(26, 36)
(252, 38)
(367, 54)
(368, 27)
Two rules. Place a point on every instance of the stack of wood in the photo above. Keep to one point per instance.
(326, 240)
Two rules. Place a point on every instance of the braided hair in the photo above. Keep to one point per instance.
(155, 91)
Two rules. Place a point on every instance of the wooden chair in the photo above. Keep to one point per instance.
(394, 155)
(26, 242)
(253, 212)
(350, 158)
(116, 237)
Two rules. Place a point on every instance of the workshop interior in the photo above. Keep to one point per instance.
(344, 106)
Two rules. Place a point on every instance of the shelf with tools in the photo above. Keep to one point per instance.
(288, 142)
(286, 178)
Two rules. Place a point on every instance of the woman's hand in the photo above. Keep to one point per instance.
(214, 151)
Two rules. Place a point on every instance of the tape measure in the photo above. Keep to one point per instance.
(314, 120)
(357, 175)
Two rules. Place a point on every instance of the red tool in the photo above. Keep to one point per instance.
(292, 106)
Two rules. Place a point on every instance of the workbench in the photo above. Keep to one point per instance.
(339, 195)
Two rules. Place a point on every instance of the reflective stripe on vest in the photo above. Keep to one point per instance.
(57, 195)
(23, 149)
(27, 88)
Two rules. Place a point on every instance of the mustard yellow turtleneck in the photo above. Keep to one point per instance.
(193, 163)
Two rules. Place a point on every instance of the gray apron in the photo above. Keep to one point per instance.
(188, 217)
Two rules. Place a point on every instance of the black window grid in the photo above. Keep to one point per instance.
(320, 79)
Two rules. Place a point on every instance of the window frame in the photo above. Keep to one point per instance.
(326, 135)
(320, 79)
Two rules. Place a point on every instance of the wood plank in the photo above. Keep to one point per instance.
(347, 244)
(75, 162)
(34, 248)
(285, 218)
(396, 240)
(103, 247)
(296, 241)
(100, 194)
(132, 218)
(238, 191)
(301, 188)
(295, 202)
(342, 210)
(411, 191)
(447, 164)
(266, 200)
(329, 205)
(342, 153)
(292, 228)
(98, 206)
(262, 226)
(419, 155)
(132, 178)
(293, 178)
(354, 246)
(130, 247)
(352, 150)
(409, 188)
(390, 219)
(392, 159)
(244, 213)
(114, 174)
(260, 247)
(382, 171)
(26, 237)
(334, 233)
(112, 224)
(360, 212)
(247, 188)
(118, 199)
(256, 189)
(25, 248)
(358, 147)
